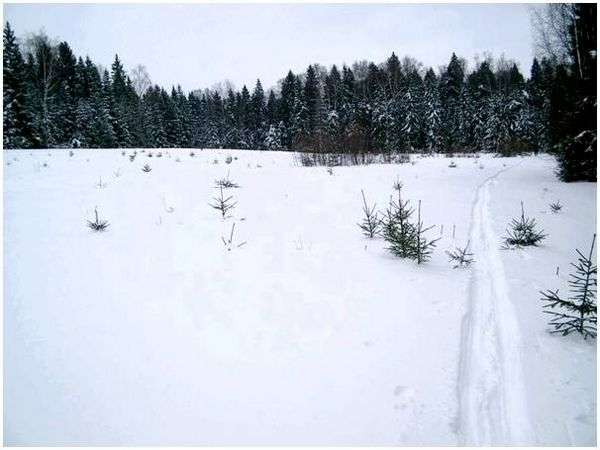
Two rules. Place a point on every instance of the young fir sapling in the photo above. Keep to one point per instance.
(223, 204)
(98, 225)
(371, 224)
(460, 257)
(576, 313)
(523, 232)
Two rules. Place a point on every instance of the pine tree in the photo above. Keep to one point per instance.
(578, 312)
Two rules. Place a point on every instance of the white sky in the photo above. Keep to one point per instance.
(197, 45)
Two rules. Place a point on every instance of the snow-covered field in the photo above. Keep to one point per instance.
(153, 333)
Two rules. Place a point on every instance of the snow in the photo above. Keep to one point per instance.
(152, 333)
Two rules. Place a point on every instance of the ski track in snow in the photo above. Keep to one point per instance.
(491, 389)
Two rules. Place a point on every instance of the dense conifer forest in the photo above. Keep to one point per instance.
(54, 98)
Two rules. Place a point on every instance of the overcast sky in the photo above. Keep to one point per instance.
(199, 45)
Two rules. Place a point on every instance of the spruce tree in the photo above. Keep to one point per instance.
(17, 120)
(576, 313)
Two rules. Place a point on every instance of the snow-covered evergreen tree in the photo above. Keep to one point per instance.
(17, 120)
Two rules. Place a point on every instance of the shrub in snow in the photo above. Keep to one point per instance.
(159, 155)
(131, 158)
(98, 225)
(226, 183)
(523, 232)
(192, 154)
(402, 158)
(222, 204)
(146, 168)
(216, 161)
(452, 164)
(150, 155)
(229, 244)
(228, 160)
(123, 153)
(578, 312)
(71, 153)
(460, 257)
(556, 206)
(371, 224)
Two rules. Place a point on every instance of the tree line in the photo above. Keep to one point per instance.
(54, 99)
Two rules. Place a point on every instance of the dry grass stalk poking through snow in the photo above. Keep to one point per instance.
(229, 244)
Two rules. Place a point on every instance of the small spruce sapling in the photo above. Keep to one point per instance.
(397, 231)
(146, 168)
(579, 310)
(226, 183)
(98, 225)
(460, 257)
(371, 224)
(423, 246)
(222, 204)
(556, 206)
(523, 232)
(100, 184)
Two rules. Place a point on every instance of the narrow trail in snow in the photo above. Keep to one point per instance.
(492, 396)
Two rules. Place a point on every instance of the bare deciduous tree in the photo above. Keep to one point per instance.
(551, 23)
(140, 79)
(44, 53)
